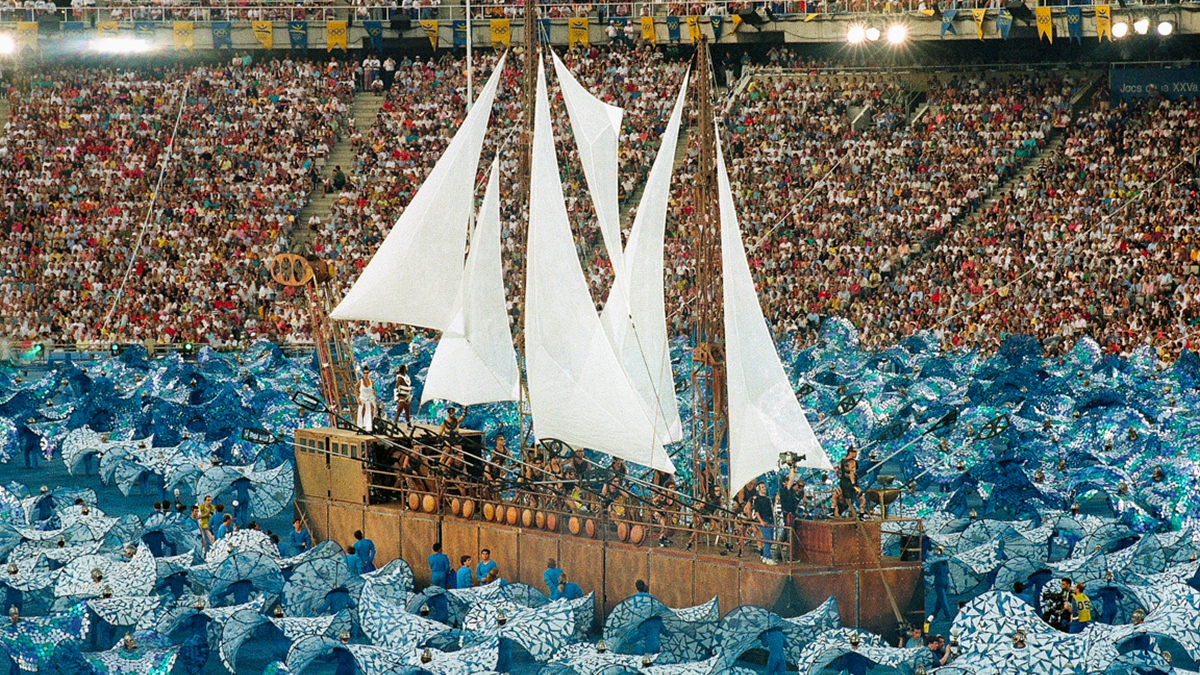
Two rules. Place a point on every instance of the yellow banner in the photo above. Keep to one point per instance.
(810, 17)
(1044, 24)
(184, 34)
(430, 28)
(27, 34)
(736, 21)
(501, 35)
(648, 33)
(1104, 22)
(107, 29)
(335, 35)
(978, 15)
(577, 32)
(693, 24)
(264, 32)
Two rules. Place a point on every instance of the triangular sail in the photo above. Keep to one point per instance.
(475, 362)
(597, 128)
(578, 392)
(765, 418)
(415, 275)
(635, 319)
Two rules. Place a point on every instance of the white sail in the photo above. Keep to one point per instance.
(765, 418)
(578, 391)
(597, 129)
(635, 316)
(475, 362)
(415, 275)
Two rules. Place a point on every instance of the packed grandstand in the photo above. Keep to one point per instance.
(975, 203)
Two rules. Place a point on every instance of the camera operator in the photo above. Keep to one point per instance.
(791, 496)
(1058, 606)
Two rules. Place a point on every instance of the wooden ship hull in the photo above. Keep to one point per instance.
(338, 493)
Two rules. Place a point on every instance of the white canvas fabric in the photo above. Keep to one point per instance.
(597, 129)
(415, 275)
(635, 319)
(765, 418)
(474, 361)
(578, 391)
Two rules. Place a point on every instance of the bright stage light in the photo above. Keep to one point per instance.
(1141, 26)
(1165, 28)
(873, 33)
(1120, 29)
(856, 35)
(119, 45)
(897, 33)
(7, 45)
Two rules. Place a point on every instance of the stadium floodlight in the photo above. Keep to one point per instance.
(873, 34)
(1165, 28)
(119, 45)
(856, 35)
(897, 33)
(1141, 26)
(1120, 29)
(7, 45)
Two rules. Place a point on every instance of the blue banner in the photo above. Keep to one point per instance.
(74, 28)
(543, 29)
(1126, 84)
(144, 29)
(222, 35)
(673, 28)
(948, 21)
(460, 32)
(1004, 23)
(1075, 24)
(375, 32)
(298, 34)
(716, 24)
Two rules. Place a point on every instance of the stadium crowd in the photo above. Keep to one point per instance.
(85, 150)
(973, 204)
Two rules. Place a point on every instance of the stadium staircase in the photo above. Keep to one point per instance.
(363, 108)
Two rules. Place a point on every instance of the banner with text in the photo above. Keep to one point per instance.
(1004, 23)
(1104, 22)
(1127, 84)
(460, 32)
(431, 31)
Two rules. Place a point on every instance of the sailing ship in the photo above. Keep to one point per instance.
(595, 380)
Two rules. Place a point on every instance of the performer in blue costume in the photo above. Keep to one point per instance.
(550, 576)
(439, 566)
(772, 640)
(365, 548)
(649, 632)
(939, 567)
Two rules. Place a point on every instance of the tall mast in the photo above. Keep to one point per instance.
(710, 413)
(529, 71)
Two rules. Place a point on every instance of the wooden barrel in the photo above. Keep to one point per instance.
(589, 528)
(511, 515)
(489, 512)
(637, 534)
(552, 522)
(527, 518)
(468, 508)
(414, 501)
(540, 519)
(574, 525)
(623, 531)
(456, 506)
(429, 503)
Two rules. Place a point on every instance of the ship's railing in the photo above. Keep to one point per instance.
(425, 479)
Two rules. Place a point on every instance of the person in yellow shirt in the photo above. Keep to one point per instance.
(1081, 610)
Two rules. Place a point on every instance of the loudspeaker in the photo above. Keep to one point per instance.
(1019, 11)
(751, 17)
(401, 24)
